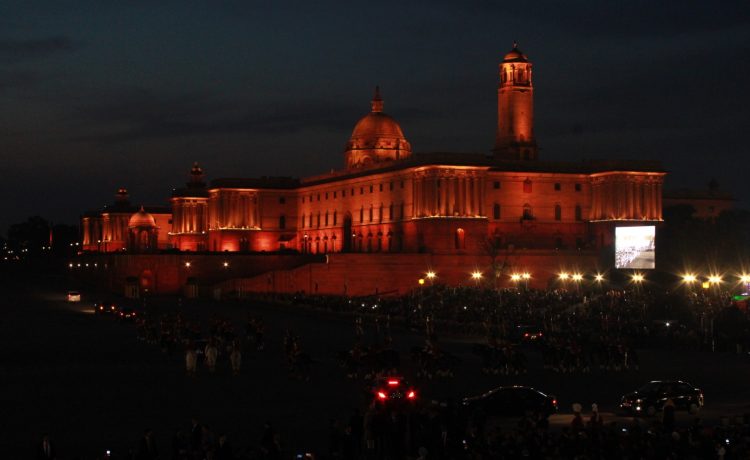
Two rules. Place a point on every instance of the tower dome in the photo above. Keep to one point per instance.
(376, 137)
(515, 55)
(141, 219)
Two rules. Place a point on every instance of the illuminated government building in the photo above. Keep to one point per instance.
(393, 208)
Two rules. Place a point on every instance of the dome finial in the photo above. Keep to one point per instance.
(515, 45)
(377, 101)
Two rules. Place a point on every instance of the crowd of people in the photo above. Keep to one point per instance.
(441, 433)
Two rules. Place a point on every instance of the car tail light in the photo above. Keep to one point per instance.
(539, 335)
(525, 334)
(382, 395)
(392, 383)
(554, 402)
(411, 395)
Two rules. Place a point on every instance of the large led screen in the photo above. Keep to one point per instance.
(635, 247)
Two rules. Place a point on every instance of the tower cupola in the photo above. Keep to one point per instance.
(515, 108)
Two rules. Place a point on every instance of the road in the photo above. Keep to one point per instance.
(88, 381)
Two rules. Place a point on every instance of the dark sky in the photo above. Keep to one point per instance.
(96, 96)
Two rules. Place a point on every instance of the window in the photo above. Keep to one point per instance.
(557, 186)
(282, 200)
(309, 221)
(326, 219)
(496, 185)
(579, 243)
(361, 214)
(402, 184)
(282, 222)
(401, 213)
(579, 213)
(527, 214)
(558, 212)
(390, 186)
(558, 243)
(496, 211)
(303, 221)
(390, 212)
(381, 187)
(334, 194)
(335, 218)
(318, 196)
(318, 220)
(303, 199)
(578, 187)
(326, 195)
(361, 190)
(371, 189)
(370, 213)
(460, 238)
(527, 186)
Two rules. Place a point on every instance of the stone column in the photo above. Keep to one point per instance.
(658, 200)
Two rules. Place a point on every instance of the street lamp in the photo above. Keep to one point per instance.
(515, 277)
(431, 275)
(187, 264)
(476, 276)
(714, 279)
(226, 264)
(689, 278)
(638, 278)
(577, 277)
(599, 278)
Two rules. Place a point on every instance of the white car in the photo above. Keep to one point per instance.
(74, 296)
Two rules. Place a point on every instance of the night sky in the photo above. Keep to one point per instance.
(96, 96)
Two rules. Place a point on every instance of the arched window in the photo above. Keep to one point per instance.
(335, 217)
(303, 221)
(390, 210)
(579, 213)
(558, 212)
(318, 220)
(370, 213)
(282, 222)
(460, 239)
(496, 211)
(361, 214)
(326, 219)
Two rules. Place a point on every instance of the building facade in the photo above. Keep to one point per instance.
(387, 199)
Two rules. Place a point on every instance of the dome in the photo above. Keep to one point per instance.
(515, 55)
(376, 137)
(141, 219)
(375, 125)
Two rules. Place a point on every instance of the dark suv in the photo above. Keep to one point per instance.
(652, 396)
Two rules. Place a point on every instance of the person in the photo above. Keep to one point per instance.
(668, 416)
(147, 448)
(596, 420)
(212, 354)
(235, 357)
(577, 423)
(191, 360)
(46, 449)
(224, 451)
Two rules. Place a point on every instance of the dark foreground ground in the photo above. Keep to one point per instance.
(93, 386)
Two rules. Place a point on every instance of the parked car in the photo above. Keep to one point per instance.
(651, 397)
(510, 401)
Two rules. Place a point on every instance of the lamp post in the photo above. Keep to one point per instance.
(563, 277)
(477, 277)
(431, 276)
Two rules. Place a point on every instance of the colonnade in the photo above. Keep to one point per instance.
(627, 197)
(448, 193)
(233, 209)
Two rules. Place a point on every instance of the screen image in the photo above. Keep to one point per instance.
(635, 247)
